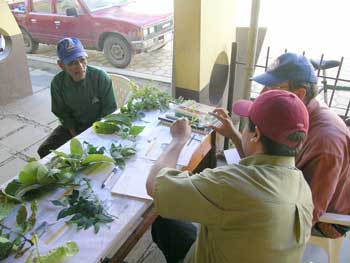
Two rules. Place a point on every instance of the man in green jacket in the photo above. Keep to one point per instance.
(259, 210)
(80, 95)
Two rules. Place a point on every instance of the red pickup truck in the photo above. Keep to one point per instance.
(118, 27)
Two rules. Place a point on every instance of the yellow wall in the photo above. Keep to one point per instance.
(8, 24)
(203, 29)
(187, 42)
(217, 34)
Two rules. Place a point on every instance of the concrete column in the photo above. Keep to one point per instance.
(204, 31)
(14, 74)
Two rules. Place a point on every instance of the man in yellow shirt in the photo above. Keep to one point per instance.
(259, 210)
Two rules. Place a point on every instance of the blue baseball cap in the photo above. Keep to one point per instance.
(288, 66)
(69, 49)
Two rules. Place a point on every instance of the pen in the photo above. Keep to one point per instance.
(105, 181)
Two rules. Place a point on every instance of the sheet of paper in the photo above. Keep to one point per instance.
(133, 180)
(232, 156)
(159, 139)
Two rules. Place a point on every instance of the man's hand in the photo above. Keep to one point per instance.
(72, 132)
(225, 128)
(181, 130)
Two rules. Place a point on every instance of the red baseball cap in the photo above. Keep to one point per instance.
(277, 113)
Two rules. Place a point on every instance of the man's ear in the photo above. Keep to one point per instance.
(258, 134)
(300, 92)
(256, 138)
(61, 65)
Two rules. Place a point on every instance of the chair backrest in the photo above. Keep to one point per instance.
(331, 246)
(121, 86)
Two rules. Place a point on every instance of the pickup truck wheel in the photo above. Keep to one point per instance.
(118, 51)
(29, 44)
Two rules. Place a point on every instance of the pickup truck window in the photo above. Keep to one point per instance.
(95, 5)
(41, 6)
(63, 5)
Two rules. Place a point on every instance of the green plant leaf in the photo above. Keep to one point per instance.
(5, 247)
(103, 127)
(59, 254)
(119, 118)
(76, 148)
(136, 130)
(27, 175)
(58, 203)
(32, 219)
(22, 216)
(61, 154)
(6, 206)
(66, 212)
(12, 189)
(95, 158)
(42, 175)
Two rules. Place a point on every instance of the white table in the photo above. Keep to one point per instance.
(134, 215)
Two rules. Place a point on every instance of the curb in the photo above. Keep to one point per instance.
(112, 70)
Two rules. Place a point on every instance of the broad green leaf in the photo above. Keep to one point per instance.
(58, 203)
(12, 189)
(23, 190)
(103, 127)
(76, 148)
(32, 218)
(119, 118)
(62, 154)
(6, 206)
(59, 254)
(95, 158)
(21, 216)
(96, 167)
(28, 174)
(66, 212)
(5, 247)
(136, 130)
(42, 175)
(65, 176)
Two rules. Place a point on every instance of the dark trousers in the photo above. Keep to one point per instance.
(174, 238)
(58, 137)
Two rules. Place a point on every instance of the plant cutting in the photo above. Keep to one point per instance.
(13, 239)
(84, 208)
(120, 154)
(60, 171)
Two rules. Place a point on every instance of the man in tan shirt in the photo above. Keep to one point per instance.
(259, 210)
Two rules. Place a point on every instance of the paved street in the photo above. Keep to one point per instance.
(157, 63)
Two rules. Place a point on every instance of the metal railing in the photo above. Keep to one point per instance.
(327, 83)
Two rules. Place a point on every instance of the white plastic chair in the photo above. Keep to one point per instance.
(331, 246)
(121, 86)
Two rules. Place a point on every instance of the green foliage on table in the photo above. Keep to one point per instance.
(61, 170)
(59, 254)
(84, 208)
(91, 149)
(120, 154)
(149, 98)
(141, 100)
(13, 239)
